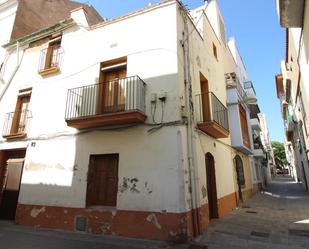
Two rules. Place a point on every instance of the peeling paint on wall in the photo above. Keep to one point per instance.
(148, 188)
(204, 191)
(152, 218)
(40, 166)
(105, 228)
(36, 211)
(129, 184)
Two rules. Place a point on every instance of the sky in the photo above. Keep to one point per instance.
(260, 40)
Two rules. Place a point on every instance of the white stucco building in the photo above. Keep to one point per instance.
(292, 89)
(120, 127)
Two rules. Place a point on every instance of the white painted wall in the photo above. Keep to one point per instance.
(153, 158)
(58, 161)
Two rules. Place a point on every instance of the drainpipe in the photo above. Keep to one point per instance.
(18, 62)
(190, 132)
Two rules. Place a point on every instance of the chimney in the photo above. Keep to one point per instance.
(79, 15)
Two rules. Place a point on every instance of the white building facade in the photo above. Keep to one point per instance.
(120, 127)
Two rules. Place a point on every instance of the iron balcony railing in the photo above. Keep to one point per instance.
(119, 95)
(210, 109)
(16, 122)
(50, 58)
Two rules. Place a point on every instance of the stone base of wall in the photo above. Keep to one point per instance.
(227, 204)
(147, 225)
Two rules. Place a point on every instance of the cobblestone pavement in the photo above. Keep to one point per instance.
(277, 218)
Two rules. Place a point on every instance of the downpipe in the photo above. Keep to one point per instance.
(18, 63)
(190, 132)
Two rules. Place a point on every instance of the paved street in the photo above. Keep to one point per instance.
(276, 219)
(21, 237)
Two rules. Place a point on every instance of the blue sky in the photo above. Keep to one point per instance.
(260, 39)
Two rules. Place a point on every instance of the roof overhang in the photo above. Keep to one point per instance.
(291, 13)
(58, 27)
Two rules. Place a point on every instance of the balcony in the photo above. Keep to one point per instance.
(114, 103)
(291, 13)
(15, 124)
(50, 60)
(258, 150)
(250, 93)
(212, 116)
(290, 118)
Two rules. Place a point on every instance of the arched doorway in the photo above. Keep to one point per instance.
(211, 186)
(240, 175)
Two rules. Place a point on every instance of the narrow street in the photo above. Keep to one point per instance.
(22, 237)
(277, 218)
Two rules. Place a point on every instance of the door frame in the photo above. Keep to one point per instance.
(5, 155)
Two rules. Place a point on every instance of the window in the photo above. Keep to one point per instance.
(303, 112)
(214, 49)
(102, 182)
(112, 90)
(51, 57)
(16, 122)
(244, 126)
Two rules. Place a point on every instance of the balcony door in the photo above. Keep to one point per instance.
(112, 87)
(205, 98)
(21, 115)
(114, 91)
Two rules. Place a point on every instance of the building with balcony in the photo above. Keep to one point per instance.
(115, 132)
(292, 90)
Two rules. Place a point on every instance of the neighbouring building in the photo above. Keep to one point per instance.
(127, 126)
(269, 163)
(292, 89)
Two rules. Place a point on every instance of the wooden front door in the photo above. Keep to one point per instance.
(114, 91)
(205, 99)
(102, 186)
(10, 183)
(211, 187)
(20, 118)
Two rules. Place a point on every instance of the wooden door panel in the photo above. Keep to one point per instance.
(205, 99)
(19, 121)
(103, 180)
(114, 91)
(211, 187)
(11, 189)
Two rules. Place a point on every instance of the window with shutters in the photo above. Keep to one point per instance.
(16, 123)
(102, 182)
(244, 126)
(50, 57)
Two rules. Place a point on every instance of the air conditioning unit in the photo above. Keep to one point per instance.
(231, 80)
